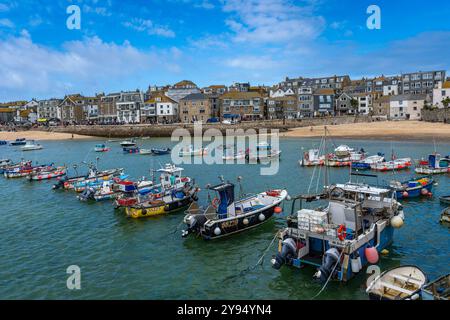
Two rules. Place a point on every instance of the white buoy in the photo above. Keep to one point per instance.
(355, 265)
(217, 231)
(288, 198)
(396, 222)
(245, 221)
(262, 217)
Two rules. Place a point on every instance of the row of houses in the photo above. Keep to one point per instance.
(392, 97)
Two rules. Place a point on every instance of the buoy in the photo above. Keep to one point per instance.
(424, 192)
(355, 265)
(371, 255)
(396, 222)
(278, 210)
(384, 251)
(288, 198)
(217, 231)
(262, 217)
(245, 221)
(405, 194)
(430, 194)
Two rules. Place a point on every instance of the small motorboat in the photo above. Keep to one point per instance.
(436, 164)
(445, 199)
(224, 216)
(23, 171)
(3, 142)
(145, 151)
(101, 148)
(264, 151)
(312, 158)
(45, 175)
(402, 283)
(190, 151)
(234, 156)
(131, 149)
(128, 143)
(19, 142)
(445, 215)
(398, 164)
(30, 146)
(5, 162)
(105, 192)
(11, 166)
(415, 187)
(438, 289)
(69, 183)
(161, 151)
(366, 163)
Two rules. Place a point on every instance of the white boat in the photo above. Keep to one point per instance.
(30, 146)
(101, 148)
(436, 164)
(398, 164)
(312, 158)
(402, 283)
(264, 151)
(5, 162)
(190, 151)
(373, 159)
(128, 143)
(234, 156)
(145, 151)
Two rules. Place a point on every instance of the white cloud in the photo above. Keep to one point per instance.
(6, 23)
(101, 11)
(91, 65)
(148, 26)
(272, 21)
(252, 62)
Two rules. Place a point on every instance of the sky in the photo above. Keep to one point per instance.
(128, 45)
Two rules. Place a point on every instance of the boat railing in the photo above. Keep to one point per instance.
(317, 225)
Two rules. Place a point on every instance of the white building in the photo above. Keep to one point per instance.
(440, 94)
(390, 90)
(129, 106)
(364, 102)
(279, 93)
(406, 106)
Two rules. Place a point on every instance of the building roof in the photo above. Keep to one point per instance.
(185, 84)
(241, 95)
(196, 96)
(403, 97)
(326, 91)
(383, 99)
(162, 98)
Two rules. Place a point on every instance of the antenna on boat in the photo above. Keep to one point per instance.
(241, 191)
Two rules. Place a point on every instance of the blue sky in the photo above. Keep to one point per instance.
(124, 45)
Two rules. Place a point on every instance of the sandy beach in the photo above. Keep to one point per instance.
(387, 130)
(41, 135)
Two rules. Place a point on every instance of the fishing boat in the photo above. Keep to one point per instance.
(224, 216)
(172, 194)
(5, 162)
(366, 163)
(402, 283)
(30, 146)
(343, 151)
(19, 142)
(436, 165)
(106, 191)
(343, 236)
(332, 161)
(412, 188)
(101, 148)
(131, 150)
(23, 171)
(133, 193)
(312, 158)
(191, 151)
(68, 183)
(97, 182)
(445, 199)
(160, 151)
(438, 289)
(264, 151)
(12, 166)
(145, 151)
(45, 175)
(398, 164)
(445, 215)
(128, 143)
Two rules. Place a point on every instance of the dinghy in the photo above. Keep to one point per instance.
(160, 151)
(30, 146)
(101, 148)
(224, 216)
(402, 283)
(190, 151)
(45, 175)
(438, 289)
(145, 151)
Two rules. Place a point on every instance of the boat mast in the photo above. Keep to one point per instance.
(326, 158)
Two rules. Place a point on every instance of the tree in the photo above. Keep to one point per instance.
(446, 102)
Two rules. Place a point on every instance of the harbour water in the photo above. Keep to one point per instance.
(44, 231)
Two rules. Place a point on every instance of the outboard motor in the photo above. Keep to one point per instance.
(87, 194)
(194, 224)
(288, 249)
(330, 258)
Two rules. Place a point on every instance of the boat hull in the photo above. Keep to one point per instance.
(157, 209)
(414, 192)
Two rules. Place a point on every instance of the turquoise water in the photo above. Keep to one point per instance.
(43, 232)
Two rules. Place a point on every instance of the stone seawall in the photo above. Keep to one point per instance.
(436, 115)
(144, 130)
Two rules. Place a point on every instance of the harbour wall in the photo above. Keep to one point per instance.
(436, 115)
(154, 130)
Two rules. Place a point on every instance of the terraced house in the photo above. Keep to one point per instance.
(129, 106)
(195, 107)
(107, 109)
(282, 108)
(77, 109)
(242, 105)
(165, 109)
(48, 110)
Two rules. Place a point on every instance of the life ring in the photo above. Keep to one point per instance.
(215, 203)
(342, 232)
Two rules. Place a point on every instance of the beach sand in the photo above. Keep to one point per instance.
(41, 135)
(386, 130)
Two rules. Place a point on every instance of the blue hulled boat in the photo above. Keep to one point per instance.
(413, 188)
(19, 142)
(161, 151)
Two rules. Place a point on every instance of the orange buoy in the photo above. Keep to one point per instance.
(371, 255)
(278, 210)
(405, 194)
